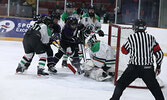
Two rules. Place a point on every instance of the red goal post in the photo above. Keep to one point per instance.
(117, 36)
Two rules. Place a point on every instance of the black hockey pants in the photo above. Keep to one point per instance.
(32, 43)
(65, 45)
(131, 73)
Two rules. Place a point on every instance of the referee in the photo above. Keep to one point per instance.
(142, 47)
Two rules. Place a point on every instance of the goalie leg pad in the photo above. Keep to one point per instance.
(96, 74)
(99, 75)
(88, 65)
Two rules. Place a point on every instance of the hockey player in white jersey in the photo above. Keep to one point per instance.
(91, 25)
(92, 21)
(35, 41)
(102, 63)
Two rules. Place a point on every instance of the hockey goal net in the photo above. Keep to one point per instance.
(117, 36)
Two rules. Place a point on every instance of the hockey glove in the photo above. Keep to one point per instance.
(158, 71)
(86, 32)
(56, 28)
(81, 26)
(54, 37)
(69, 51)
(101, 33)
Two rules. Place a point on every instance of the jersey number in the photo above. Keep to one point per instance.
(36, 27)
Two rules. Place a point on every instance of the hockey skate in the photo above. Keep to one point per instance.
(64, 63)
(52, 69)
(79, 71)
(105, 77)
(86, 73)
(27, 65)
(41, 72)
(20, 69)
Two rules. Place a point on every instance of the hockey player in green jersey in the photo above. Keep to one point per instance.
(68, 12)
(71, 12)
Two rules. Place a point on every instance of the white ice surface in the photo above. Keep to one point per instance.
(63, 86)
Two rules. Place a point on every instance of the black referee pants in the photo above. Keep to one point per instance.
(131, 73)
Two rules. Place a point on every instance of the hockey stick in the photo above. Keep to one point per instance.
(71, 68)
(82, 47)
(83, 52)
(56, 44)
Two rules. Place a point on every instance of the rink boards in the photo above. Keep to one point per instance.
(14, 28)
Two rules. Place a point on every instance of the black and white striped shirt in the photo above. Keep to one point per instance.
(142, 47)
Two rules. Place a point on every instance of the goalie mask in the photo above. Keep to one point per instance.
(91, 41)
(139, 25)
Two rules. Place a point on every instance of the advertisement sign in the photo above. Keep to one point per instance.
(13, 27)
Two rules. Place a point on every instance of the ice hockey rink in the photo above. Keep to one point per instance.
(62, 86)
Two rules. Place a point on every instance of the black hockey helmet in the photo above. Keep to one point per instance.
(92, 7)
(55, 16)
(139, 25)
(37, 17)
(90, 12)
(69, 5)
(69, 8)
(47, 20)
(80, 11)
(72, 22)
